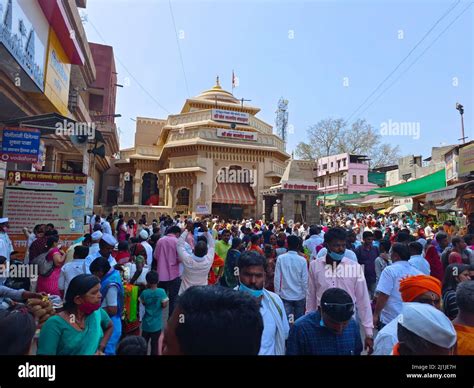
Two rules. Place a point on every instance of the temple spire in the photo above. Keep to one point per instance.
(217, 81)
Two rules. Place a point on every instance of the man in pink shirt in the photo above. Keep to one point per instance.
(166, 256)
(335, 270)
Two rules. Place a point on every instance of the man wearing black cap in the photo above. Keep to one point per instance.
(330, 331)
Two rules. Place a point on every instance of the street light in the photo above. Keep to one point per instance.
(460, 108)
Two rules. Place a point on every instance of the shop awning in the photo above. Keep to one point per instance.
(406, 207)
(422, 185)
(376, 201)
(341, 197)
(387, 210)
(447, 193)
(234, 193)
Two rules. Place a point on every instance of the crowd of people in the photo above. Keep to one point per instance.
(357, 284)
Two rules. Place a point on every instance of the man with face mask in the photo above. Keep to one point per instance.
(252, 268)
(6, 246)
(330, 331)
(335, 270)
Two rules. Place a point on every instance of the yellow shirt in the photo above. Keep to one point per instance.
(465, 340)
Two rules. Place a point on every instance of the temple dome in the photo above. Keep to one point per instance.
(217, 93)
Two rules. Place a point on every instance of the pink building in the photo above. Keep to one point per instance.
(343, 174)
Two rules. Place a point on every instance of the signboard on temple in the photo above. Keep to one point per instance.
(291, 186)
(33, 198)
(230, 116)
(236, 135)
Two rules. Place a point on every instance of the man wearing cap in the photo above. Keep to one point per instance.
(420, 289)
(96, 236)
(6, 246)
(424, 331)
(330, 331)
(106, 246)
(143, 237)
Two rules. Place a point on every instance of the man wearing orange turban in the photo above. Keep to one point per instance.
(422, 289)
(419, 288)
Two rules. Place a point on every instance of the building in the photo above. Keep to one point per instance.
(48, 77)
(342, 174)
(414, 167)
(294, 198)
(214, 157)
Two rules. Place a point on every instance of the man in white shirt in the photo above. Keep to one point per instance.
(70, 270)
(96, 237)
(314, 239)
(429, 230)
(106, 246)
(6, 246)
(197, 264)
(106, 228)
(417, 260)
(389, 300)
(143, 237)
(275, 322)
(291, 280)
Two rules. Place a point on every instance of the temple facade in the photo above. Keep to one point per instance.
(214, 157)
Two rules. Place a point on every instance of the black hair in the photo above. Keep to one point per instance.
(133, 345)
(401, 250)
(50, 233)
(103, 244)
(339, 296)
(173, 229)
(293, 243)
(3, 260)
(250, 259)
(403, 237)
(97, 227)
(123, 246)
(366, 234)
(78, 286)
(465, 297)
(81, 252)
(412, 344)
(51, 241)
(415, 248)
(456, 240)
(18, 328)
(200, 250)
(152, 277)
(226, 231)
(452, 271)
(378, 234)
(101, 264)
(50, 225)
(441, 236)
(236, 242)
(313, 229)
(156, 230)
(227, 322)
(335, 234)
(87, 238)
(281, 243)
(386, 245)
(254, 238)
(468, 238)
(134, 240)
(119, 224)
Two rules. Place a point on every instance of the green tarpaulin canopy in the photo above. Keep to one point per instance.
(422, 185)
(341, 197)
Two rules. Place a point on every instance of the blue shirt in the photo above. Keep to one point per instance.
(420, 263)
(308, 337)
(152, 321)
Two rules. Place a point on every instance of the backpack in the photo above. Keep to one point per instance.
(45, 267)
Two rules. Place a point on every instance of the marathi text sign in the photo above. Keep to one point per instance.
(20, 145)
(402, 201)
(290, 186)
(230, 116)
(202, 209)
(33, 198)
(466, 159)
(237, 135)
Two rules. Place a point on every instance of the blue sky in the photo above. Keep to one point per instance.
(303, 51)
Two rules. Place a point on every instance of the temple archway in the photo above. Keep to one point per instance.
(150, 192)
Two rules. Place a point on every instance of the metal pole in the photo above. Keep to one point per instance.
(462, 128)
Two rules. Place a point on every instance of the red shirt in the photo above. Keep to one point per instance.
(256, 248)
(432, 257)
